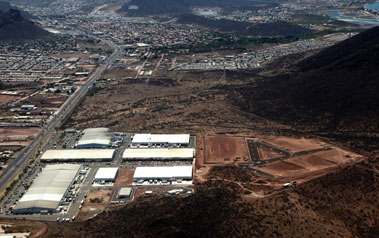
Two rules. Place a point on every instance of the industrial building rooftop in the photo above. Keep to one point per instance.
(95, 138)
(160, 139)
(78, 155)
(159, 153)
(48, 189)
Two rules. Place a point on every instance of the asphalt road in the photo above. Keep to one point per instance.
(20, 162)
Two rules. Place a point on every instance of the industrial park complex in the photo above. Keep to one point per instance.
(93, 159)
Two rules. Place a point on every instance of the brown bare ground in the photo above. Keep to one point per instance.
(266, 153)
(293, 144)
(124, 177)
(224, 150)
(7, 98)
(90, 209)
(19, 131)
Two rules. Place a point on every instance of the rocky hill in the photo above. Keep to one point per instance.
(14, 27)
(334, 90)
(5, 7)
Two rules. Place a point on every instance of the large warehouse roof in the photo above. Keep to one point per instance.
(178, 172)
(106, 173)
(85, 154)
(159, 153)
(161, 138)
(49, 187)
(99, 135)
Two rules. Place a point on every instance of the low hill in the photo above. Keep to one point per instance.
(5, 7)
(334, 90)
(175, 7)
(14, 27)
(279, 28)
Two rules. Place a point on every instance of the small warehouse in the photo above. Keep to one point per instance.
(125, 192)
(106, 174)
(161, 140)
(169, 173)
(84, 155)
(159, 154)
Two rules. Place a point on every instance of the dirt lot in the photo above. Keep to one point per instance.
(100, 200)
(306, 167)
(46, 101)
(225, 150)
(18, 132)
(294, 144)
(124, 177)
(7, 98)
(265, 153)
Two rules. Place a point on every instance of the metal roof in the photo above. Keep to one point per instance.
(159, 153)
(99, 135)
(49, 187)
(106, 173)
(78, 154)
(163, 172)
(161, 138)
(125, 191)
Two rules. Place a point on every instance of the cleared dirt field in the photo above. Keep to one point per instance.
(266, 153)
(46, 101)
(293, 144)
(6, 98)
(19, 131)
(124, 177)
(225, 150)
(96, 202)
(307, 166)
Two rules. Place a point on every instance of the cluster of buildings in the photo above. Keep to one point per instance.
(58, 182)
(255, 59)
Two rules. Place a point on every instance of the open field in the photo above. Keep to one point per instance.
(174, 102)
(306, 167)
(266, 153)
(46, 101)
(19, 132)
(293, 144)
(124, 177)
(225, 150)
(8, 98)
(96, 202)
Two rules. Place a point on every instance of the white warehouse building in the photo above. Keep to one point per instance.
(48, 189)
(95, 138)
(84, 155)
(159, 154)
(106, 174)
(169, 173)
(163, 140)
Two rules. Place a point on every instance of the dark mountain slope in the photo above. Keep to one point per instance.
(279, 28)
(13, 27)
(5, 7)
(334, 90)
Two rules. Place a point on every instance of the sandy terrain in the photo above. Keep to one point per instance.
(19, 131)
(46, 101)
(265, 153)
(6, 98)
(124, 177)
(293, 144)
(222, 149)
(89, 208)
(308, 166)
